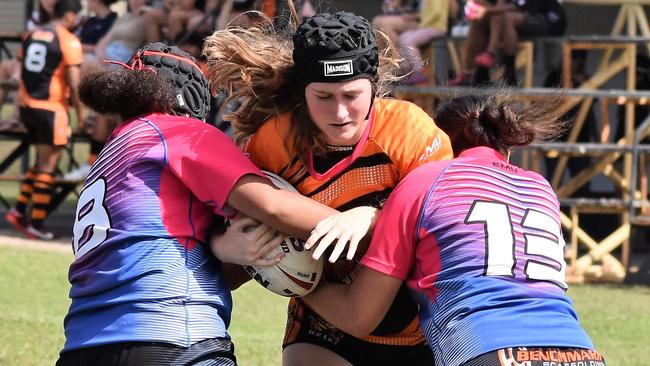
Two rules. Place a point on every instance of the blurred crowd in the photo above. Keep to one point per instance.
(489, 29)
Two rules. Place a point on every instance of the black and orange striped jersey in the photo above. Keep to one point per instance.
(398, 138)
(45, 54)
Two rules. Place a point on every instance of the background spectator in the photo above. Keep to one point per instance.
(185, 16)
(498, 25)
(96, 26)
(127, 33)
(434, 22)
(122, 40)
(398, 16)
(157, 20)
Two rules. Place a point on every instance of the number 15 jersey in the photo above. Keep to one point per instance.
(478, 242)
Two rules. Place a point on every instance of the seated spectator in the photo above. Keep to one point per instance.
(126, 35)
(156, 20)
(93, 29)
(9, 73)
(498, 25)
(185, 16)
(434, 22)
(96, 27)
(122, 40)
(246, 12)
(398, 17)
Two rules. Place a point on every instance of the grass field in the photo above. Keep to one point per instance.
(33, 302)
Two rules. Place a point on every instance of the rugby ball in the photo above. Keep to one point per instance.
(297, 274)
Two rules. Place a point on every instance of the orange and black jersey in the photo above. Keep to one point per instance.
(45, 54)
(398, 138)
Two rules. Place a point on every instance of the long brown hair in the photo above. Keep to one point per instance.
(495, 118)
(255, 66)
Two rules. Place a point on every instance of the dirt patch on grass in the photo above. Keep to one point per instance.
(16, 242)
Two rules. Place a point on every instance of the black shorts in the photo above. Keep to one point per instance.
(243, 5)
(309, 327)
(210, 352)
(46, 127)
(535, 24)
(539, 356)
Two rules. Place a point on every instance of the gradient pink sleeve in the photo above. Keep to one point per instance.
(392, 250)
(208, 163)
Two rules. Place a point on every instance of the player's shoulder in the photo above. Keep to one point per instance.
(431, 170)
(492, 159)
(399, 117)
(65, 35)
(390, 108)
(403, 128)
(43, 34)
(67, 39)
(275, 126)
(273, 132)
(168, 126)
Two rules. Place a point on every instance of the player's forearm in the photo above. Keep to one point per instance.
(294, 214)
(358, 308)
(285, 211)
(336, 304)
(73, 79)
(78, 107)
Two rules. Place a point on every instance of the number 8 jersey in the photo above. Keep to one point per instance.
(45, 54)
(143, 271)
(478, 242)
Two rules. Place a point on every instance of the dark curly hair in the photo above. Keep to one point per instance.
(497, 120)
(127, 93)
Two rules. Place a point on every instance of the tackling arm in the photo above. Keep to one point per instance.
(357, 308)
(286, 211)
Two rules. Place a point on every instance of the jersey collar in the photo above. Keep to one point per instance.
(482, 152)
(343, 164)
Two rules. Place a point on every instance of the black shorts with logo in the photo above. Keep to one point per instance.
(46, 127)
(210, 352)
(308, 327)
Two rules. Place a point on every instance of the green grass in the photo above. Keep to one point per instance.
(617, 318)
(33, 302)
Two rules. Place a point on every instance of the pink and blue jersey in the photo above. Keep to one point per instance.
(142, 268)
(478, 242)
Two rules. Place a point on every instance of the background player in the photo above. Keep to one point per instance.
(146, 289)
(50, 57)
(313, 114)
(479, 243)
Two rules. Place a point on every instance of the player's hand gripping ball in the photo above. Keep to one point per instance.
(296, 274)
